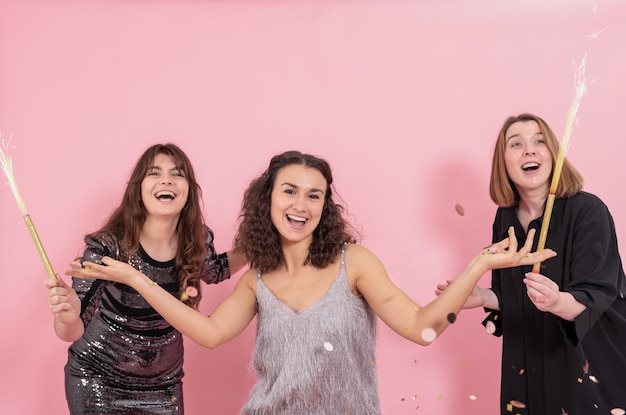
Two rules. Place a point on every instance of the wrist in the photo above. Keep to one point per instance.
(476, 267)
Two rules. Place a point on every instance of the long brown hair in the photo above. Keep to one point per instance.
(258, 239)
(501, 188)
(128, 218)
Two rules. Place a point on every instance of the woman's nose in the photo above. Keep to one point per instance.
(297, 203)
(530, 150)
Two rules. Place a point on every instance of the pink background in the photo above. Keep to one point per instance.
(404, 98)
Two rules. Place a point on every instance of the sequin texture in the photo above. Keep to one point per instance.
(129, 360)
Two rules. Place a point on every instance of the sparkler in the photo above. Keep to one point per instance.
(7, 167)
(581, 88)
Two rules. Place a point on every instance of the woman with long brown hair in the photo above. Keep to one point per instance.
(124, 357)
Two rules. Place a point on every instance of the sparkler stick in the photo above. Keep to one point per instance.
(7, 167)
(581, 88)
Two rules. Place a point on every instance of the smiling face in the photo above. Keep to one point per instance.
(527, 158)
(164, 189)
(297, 202)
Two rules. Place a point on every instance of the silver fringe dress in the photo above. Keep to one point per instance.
(320, 361)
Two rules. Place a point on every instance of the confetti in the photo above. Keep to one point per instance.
(617, 411)
(459, 209)
(429, 335)
(593, 379)
(451, 318)
(472, 397)
(328, 346)
(517, 404)
(491, 327)
(192, 291)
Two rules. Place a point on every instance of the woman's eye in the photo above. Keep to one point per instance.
(289, 191)
(316, 197)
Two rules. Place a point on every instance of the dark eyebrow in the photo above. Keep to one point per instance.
(313, 190)
(159, 168)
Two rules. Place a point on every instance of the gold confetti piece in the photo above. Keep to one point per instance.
(580, 380)
(415, 397)
(509, 407)
(521, 371)
(472, 397)
(402, 399)
(593, 379)
(595, 405)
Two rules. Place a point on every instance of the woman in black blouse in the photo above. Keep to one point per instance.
(563, 328)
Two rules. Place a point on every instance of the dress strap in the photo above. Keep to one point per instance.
(343, 257)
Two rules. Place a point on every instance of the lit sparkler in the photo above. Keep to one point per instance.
(7, 167)
(580, 83)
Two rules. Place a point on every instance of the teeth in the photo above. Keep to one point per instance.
(296, 218)
(530, 166)
(164, 193)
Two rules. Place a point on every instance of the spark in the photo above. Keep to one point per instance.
(594, 35)
(7, 168)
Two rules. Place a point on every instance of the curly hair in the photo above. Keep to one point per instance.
(501, 188)
(128, 218)
(257, 237)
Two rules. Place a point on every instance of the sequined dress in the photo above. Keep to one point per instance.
(316, 362)
(129, 359)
